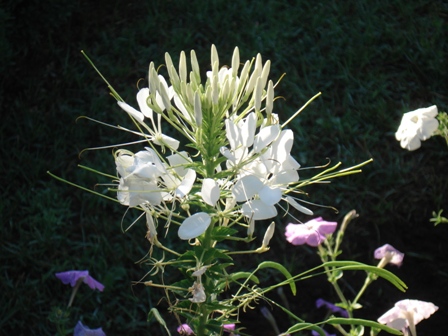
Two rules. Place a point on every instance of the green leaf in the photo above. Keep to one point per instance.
(155, 313)
(220, 233)
(185, 283)
(356, 266)
(238, 275)
(211, 254)
(282, 269)
(305, 326)
(366, 323)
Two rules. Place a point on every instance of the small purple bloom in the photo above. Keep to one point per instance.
(315, 333)
(394, 256)
(312, 232)
(72, 278)
(331, 307)
(82, 330)
(185, 329)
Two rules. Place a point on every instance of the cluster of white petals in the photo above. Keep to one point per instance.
(234, 135)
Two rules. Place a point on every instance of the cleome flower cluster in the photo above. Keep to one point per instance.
(242, 165)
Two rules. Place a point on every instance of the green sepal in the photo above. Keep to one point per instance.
(155, 313)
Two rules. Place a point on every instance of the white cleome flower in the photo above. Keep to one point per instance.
(263, 181)
(155, 129)
(417, 126)
(139, 174)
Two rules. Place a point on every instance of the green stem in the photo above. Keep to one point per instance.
(367, 282)
(207, 243)
(333, 280)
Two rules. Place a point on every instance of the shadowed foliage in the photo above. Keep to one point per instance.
(372, 61)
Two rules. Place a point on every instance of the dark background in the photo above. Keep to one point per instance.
(372, 61)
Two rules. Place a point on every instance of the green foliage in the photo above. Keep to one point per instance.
(372, 60)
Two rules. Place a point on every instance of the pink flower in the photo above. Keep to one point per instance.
(407, 313)
(312, 232)
(390, 254)
(229, 327)
(73, 277)
(185, 329)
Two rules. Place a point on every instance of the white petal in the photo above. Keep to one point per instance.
(181, 107)
(187, 183)
(132, 111)
(258, 210)
(270, 196)
(265, 137)
(142, 97)
(194, 226)
(162, 139)
(210, 191)
(226, 152)
(248, 130)
(146, 170)
(233, 134)
(124, 160)
(428, 128)
(246, 188)
(134, 191)
(281, 148)
(299, 207)
(285, 177)
(178, 162)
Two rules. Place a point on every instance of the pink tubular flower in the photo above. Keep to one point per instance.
(390, 255)
(407, 313)
(185, 329)
(73, 277)
(312, 232)
(229, 327)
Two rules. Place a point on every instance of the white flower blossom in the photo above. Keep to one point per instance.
(407, 313)
(417, 126)
(198, 293)
(146, 112)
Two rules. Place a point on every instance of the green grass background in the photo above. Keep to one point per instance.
(372, 61)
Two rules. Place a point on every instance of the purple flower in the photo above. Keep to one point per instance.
(185, 329)
(312, 232)
(82, 330)
(331, 307)
(73, 277)
(390, 254)
(315, 333)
